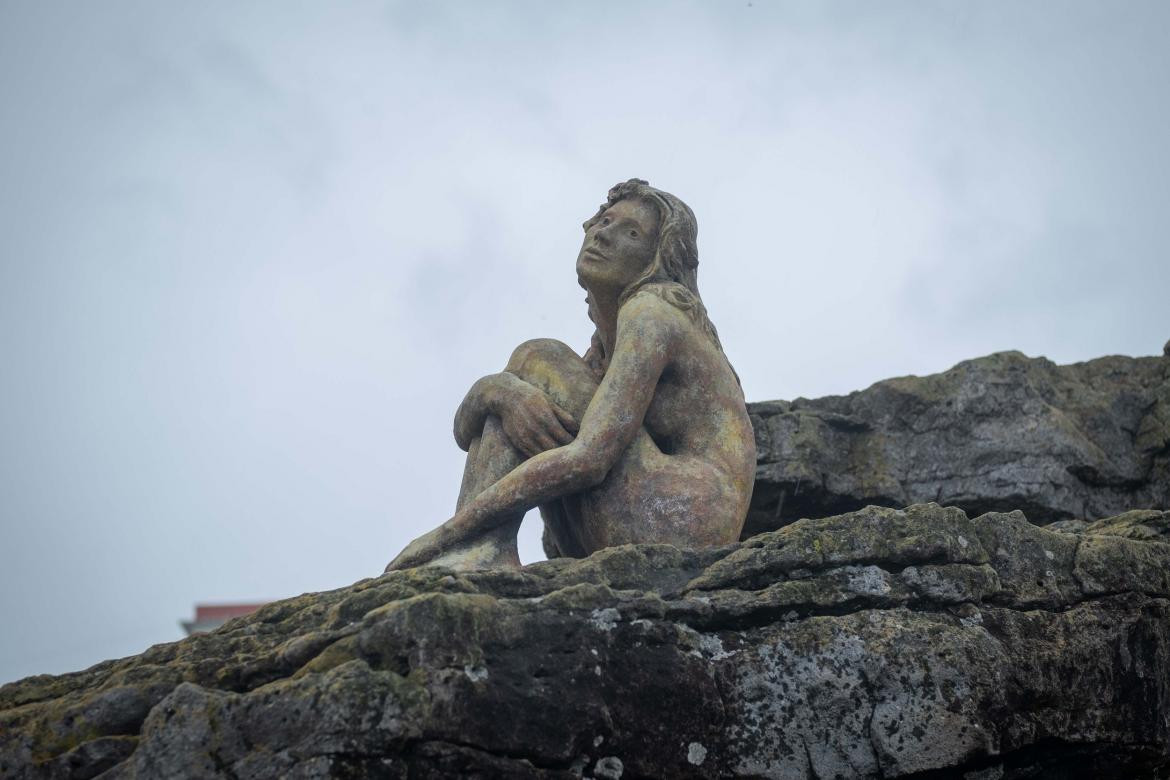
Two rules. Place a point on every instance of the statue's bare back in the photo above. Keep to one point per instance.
(644, 439)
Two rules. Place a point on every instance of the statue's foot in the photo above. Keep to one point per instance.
(493, 550)
(419, 552)
(485, 553)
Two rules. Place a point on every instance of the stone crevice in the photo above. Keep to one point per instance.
(523, 670)
(1001, 431)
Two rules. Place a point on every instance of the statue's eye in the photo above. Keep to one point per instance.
(605, 220)
(633, 234)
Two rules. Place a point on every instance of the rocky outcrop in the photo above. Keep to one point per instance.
(869, 641)
(879, 643)
(1082, 441)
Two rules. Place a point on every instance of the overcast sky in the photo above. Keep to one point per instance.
(253, 254)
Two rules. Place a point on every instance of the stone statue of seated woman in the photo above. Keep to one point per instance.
(644, 439)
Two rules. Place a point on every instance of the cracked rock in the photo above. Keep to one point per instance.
(876, 643)
(1061, 443)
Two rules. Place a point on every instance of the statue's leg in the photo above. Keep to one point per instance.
(554, 368)
(560, 372)
(649, 495)
(489, 458)
(549, 365)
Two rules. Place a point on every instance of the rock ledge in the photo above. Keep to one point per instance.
(1083, 441)
(878, 643)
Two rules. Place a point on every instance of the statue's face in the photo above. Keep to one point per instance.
(619, 246)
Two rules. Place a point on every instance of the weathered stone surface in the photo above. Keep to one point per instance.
(1145, 524)
(1082, 441)
(879, 643)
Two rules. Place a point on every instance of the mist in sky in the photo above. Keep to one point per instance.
(252, 255)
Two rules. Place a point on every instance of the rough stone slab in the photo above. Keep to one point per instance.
(1083, 441)
(877, 643)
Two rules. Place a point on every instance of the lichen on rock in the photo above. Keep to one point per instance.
(1083, 441)
(876, 643)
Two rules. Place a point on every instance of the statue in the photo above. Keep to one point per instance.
(644, 439)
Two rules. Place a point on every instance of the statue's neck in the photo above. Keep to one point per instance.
(603, 310)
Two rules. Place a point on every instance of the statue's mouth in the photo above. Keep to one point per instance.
(591, 252)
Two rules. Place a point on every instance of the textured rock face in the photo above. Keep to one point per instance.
(879, 643)
(1003, 432)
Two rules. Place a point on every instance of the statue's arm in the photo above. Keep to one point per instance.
(532, 422)
(648, 330)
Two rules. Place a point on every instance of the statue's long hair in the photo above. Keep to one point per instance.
(673, 273)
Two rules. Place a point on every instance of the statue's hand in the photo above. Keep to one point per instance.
(532, 421)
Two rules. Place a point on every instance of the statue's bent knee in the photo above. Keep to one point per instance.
(534, 352)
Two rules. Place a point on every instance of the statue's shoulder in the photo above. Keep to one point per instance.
(661, 308)
(654, 298)
(670, 292)
(667, 295)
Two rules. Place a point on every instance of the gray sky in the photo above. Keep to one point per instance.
(253, 254)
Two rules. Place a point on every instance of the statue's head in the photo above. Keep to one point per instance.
(669, 255)
(665, 250)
